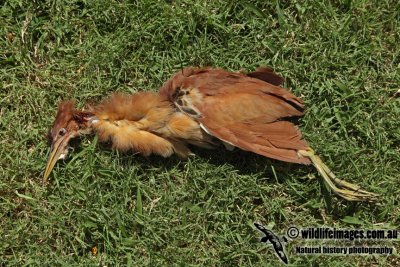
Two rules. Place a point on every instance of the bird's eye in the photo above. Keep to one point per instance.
(62, 131)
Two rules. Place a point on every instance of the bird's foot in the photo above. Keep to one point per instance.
(341, 188)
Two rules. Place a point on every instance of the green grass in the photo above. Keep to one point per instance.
(342, 57)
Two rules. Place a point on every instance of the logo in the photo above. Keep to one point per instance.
(326, 240)
(276, 241)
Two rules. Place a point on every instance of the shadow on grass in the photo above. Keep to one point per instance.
(247, 163)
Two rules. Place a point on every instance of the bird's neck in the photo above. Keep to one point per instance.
(142, 110)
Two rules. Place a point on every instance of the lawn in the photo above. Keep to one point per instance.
(341, 57)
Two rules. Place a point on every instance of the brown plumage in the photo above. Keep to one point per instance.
(243, 111)
(202, 107)
(146, 123)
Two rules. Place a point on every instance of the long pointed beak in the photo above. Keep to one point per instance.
(57, 150)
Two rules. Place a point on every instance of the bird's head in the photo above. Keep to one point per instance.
(69, 123)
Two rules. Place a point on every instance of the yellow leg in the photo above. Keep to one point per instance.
(341, 188)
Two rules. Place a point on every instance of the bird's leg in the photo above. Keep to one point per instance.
(341, 188)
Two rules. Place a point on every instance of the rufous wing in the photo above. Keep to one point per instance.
(278, 140)
(246, 112)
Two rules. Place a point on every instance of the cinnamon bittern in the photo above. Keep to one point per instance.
(202, 107)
